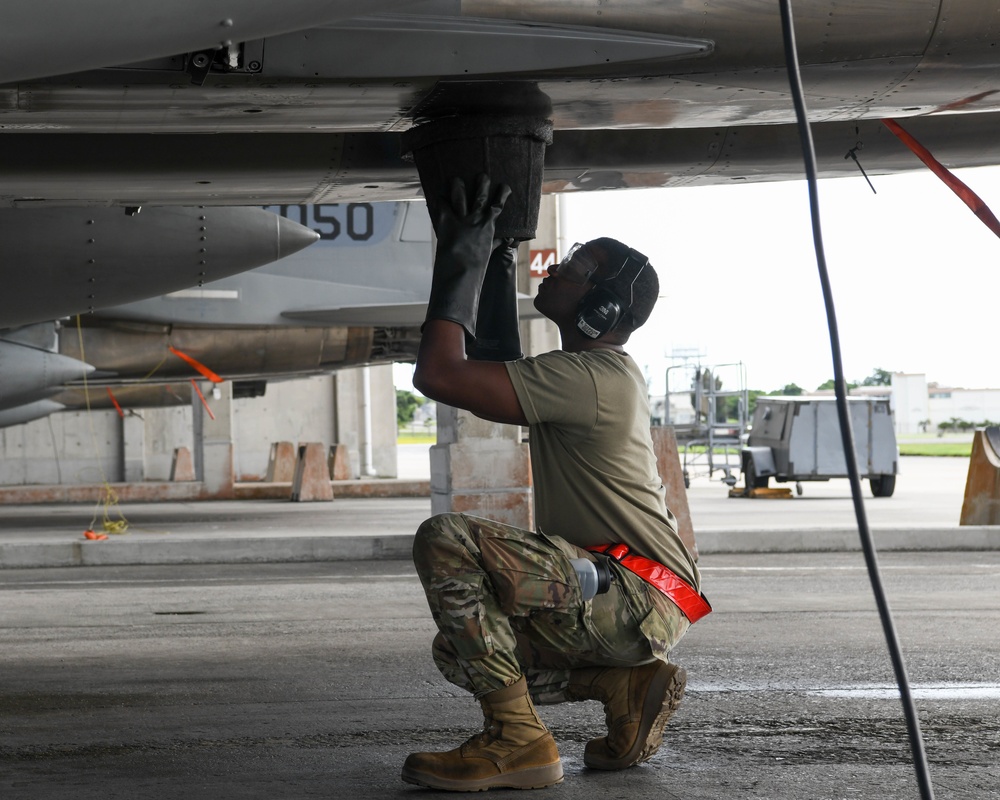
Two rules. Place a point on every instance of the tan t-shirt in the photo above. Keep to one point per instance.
(592, 457)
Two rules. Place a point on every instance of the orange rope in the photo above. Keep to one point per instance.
(113, 400)
(203, 402)
(967, 196)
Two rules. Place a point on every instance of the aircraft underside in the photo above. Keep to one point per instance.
(258, 169)
(640, 94)
(225, 103)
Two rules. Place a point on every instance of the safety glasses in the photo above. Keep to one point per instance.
(577, 265)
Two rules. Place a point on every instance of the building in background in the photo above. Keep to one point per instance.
(922, 407)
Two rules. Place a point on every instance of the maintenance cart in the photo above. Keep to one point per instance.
(798, 439)
(707, 407)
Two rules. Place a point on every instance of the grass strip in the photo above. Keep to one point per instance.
(416, 438)
(961, 449)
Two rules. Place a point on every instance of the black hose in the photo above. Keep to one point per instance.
(846, 432)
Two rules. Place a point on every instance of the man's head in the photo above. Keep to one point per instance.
(612, 287)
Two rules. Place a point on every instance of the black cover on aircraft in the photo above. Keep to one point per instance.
(508, 148)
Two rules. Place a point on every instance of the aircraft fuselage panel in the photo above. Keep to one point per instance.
(233, 169)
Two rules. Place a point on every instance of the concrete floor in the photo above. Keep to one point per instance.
(922, 514)
(174, 673)
(315, 680)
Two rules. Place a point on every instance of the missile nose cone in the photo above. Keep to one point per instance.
(31, 374)
(293, 237)
(29, 412)
(61, 369)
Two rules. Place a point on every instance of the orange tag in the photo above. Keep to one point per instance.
(196, 364)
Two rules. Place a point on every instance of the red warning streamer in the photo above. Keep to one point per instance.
(196, 364)
(194, 383)
(969, 197)
(113, 400)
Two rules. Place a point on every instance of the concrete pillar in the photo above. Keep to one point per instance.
(213, 439)
(383, 411)
(347, 418)
(480, 468)
(133, 444)
(365, 420)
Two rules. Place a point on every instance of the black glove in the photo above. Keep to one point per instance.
(498, 337)
(465, 240)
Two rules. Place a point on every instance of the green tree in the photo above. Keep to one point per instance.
(407, 404)
(732, 405)
(879, 377)
(953, 424)
(792, 389)
(829, 385)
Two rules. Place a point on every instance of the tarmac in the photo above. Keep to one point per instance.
(922, 514)
(190, 666)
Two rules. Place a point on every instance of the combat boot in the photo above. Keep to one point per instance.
(515, 750)
(638, 701)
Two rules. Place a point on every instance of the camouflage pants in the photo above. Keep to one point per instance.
(507, 602)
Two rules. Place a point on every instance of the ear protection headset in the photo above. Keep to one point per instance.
(603, 307)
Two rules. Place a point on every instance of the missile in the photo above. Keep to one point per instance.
(28, 412)
(63, 261)
(28, 374)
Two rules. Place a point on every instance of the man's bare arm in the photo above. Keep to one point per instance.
(444, 373)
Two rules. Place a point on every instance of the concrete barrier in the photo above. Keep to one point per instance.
(182, 465)
(668, 464)
(312, 477)
(340, 463)
(280, 463)
(982, 487)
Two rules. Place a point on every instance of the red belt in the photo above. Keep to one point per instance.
(693, 605)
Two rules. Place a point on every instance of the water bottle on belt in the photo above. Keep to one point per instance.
(595, 578)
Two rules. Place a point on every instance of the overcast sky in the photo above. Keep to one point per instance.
(915, 276)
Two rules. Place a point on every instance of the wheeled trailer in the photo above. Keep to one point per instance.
(798, 439)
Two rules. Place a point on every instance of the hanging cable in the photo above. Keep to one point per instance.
(109, 498)
(853, 154)
(847, 435)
